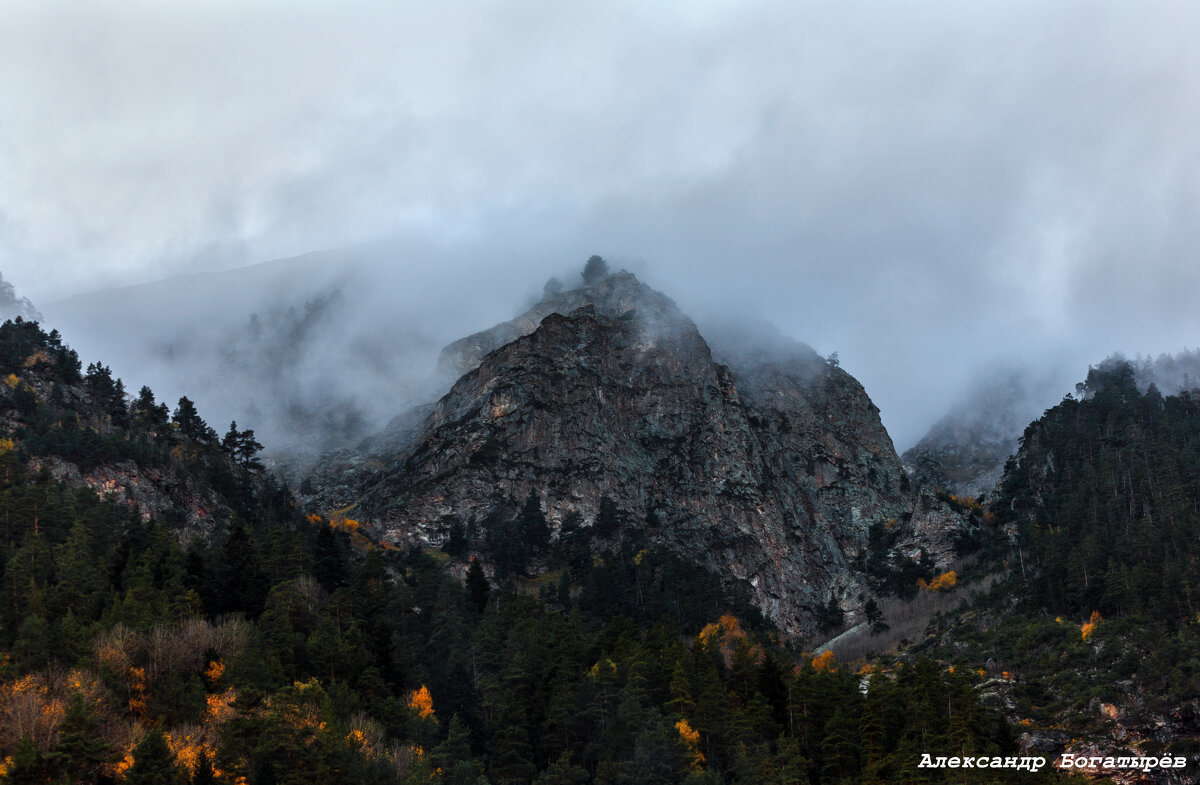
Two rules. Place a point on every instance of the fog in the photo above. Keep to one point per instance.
(928, 191)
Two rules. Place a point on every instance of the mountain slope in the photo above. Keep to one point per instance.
(772, 474)
(965, 451)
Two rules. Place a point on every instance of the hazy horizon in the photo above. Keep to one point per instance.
(930, 191)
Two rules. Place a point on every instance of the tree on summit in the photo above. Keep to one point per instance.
(595, 270)
(148, 413)
(242, 446)
(190, 423)
(105, 390)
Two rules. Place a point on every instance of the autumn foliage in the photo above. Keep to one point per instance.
(825, 662)
(421, 702)
(692, 739)
(943, 582)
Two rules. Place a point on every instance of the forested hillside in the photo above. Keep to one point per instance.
(1097, 526)
(1106, 497)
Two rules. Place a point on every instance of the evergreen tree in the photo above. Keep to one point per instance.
(146, 412)
(456, 544)
(191, 424)
(563, 772)
(28, 765)
(204, 774)
(329, 565)
(534, 527)
(153, 763)
(81, 751)
(608, 519)
(594, 271)
(478, 587)
(512, 755)
(242, 581)
(242, 447)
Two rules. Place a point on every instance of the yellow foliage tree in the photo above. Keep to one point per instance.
(214, 672)
(421, 702)
(825, 661)
(1090, 625)
(692, 739)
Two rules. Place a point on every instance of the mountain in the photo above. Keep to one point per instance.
(770, 471)
(627, 482)
(167, 614)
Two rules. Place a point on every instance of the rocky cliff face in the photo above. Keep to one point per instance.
(770, 472)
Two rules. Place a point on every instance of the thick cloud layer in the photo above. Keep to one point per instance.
(922, 188)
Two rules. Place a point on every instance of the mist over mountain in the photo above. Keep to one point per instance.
(1170, 373)
(306, 351)
(964, 452)
(12, 305)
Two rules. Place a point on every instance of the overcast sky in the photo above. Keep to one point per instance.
(922, 187)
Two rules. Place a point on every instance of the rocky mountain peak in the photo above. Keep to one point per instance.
(618, 295)
(771, 473)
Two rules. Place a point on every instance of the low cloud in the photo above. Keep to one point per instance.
(923, 189)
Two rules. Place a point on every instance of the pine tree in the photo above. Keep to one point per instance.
(563, 772)
(534, 527)
(512, 754)
(329, 566)
(204, 774)
(28, 765)
(454, 750)
(191, 424)
(608, 519)
(80, 750)
(146, 412)
(478, 587)
(242, 447)
(456, 544)
(595, 270)
(153, 763)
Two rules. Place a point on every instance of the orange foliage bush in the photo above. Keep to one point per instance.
(945, 581)
(825, 661)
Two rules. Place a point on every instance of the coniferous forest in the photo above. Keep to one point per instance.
(1096, 527)
(285, 647)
